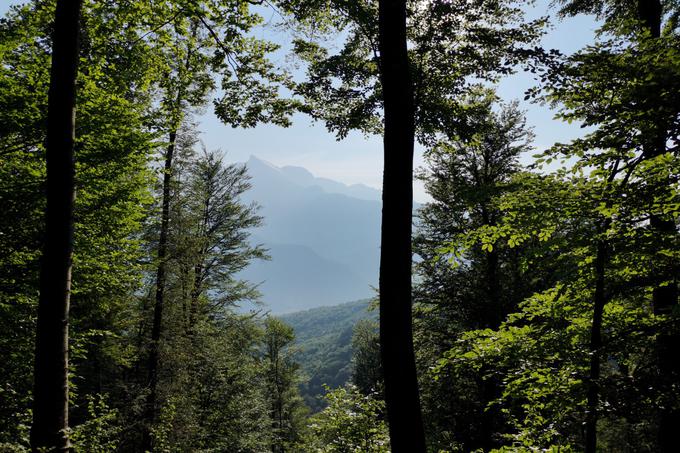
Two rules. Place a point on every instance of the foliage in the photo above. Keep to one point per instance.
(621, 176)
(286, 407)
(352, 422)
(452, 47)
(323, 347)
(112, 152)
(99, 434)
(367, 372)
(516, 266)
(462, 288)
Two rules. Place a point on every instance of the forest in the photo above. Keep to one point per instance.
(529, 305)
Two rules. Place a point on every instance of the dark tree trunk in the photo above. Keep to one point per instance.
(493, 311)
(196, 290)
(667, 348)
(156, 329)
(396, 339)
(595, 349)
(650, 12)
(199, 269)
(664, 301)
(491, 317)
(50, 392)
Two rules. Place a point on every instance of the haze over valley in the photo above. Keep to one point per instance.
(323, 238)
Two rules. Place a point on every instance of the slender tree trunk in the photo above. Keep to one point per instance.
(156, 329)
(491, 318)
(396, 338)
(494, 313)
(199, 267)
(50, 392)
(151, 411)
(595, 348)
(196, 290)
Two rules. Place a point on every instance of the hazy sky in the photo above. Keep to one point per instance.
(358, 159)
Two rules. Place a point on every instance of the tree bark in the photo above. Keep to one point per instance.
(396, 338)
(650, 12)
(50, 392)
(595, 348)
(151, 411)
(152, 381)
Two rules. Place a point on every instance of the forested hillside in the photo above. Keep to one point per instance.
(531, 304)
(323, 346)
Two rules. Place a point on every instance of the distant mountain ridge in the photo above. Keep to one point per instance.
(323, 238)
(305, 178)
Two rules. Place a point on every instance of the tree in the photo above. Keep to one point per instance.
(208, 353)
(599, 209)
(286, 405)
(50, 393)
(642, 85)
(396, 339)
(202, 44)
(367, 373)
(643, 22)
(478, 287)
(351, 422)
(375, 84)
(111, 150)
(465, 176)
(117, 132)
(218, 241)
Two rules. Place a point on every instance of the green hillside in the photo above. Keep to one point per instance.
(324, 337)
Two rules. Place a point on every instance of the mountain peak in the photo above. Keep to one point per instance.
(256, 161)
(301, 177)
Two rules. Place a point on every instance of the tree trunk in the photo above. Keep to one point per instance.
(650, 12)
(396, 340)
(50, 392)
(491, 317)
(199, 267)
(593, 392)
(156, 329)
(494, 313)
(151, 411)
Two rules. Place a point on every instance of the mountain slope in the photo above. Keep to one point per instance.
(296, 277)
(324, 242)
(324, 338)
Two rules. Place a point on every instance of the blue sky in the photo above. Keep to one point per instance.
(358, 159)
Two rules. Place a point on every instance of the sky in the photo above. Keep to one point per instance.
(358, 159)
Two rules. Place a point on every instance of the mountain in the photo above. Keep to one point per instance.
(296, 278)
(323, 238)
(323, 338)
(303, 177)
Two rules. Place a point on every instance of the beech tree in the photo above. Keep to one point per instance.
(425, 65)
(285, 403)
(643, 85)
(396, 338)
(50, 391)
(605, 202)
(203, 48)
(478, 289)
